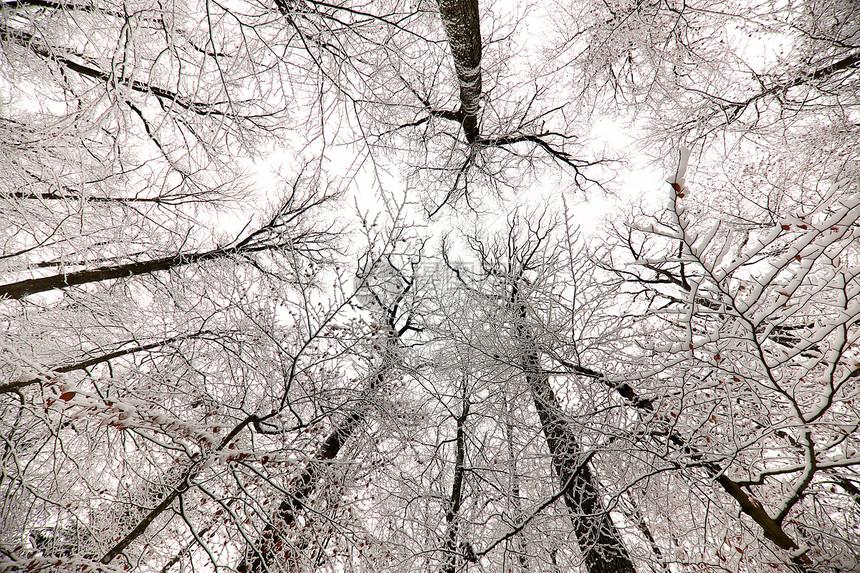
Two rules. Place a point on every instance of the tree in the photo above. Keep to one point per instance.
(751, 327)
(512, 266)
(493, 129)
(152, 409)
(463, 28)
(193, 380)
(386, 287)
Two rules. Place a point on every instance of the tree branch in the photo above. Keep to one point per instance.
(770, 527)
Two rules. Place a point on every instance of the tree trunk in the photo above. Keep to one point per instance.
(273, 542)
(748, 505)
(599, 539)
(462, 26)
(451, 515)
(518, 516)
(27, 287)
(21, 289)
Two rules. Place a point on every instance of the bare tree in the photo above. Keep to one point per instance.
(387, 289)
(750, 325)
(181, 393)
(506, 264)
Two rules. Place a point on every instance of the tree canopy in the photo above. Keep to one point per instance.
(300, 286)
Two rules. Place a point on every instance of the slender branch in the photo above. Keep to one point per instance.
(184, 484)
(733, 110)
(89, 362)
(30, 42)
(769, 526)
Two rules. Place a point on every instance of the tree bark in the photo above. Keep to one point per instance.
(27, 287)
(599, 540)
(462, 26)
(273, 542)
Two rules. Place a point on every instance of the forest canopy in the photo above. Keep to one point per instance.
(312, 285)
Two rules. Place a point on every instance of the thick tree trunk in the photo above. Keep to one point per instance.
(273, 543)
(462, 26)
(599, 539)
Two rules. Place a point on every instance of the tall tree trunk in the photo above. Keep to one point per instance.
(27, 287)
(599, 540)
(268, 237)
(462, 26)
(273, 544)
(452, 551)
(21, 289)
